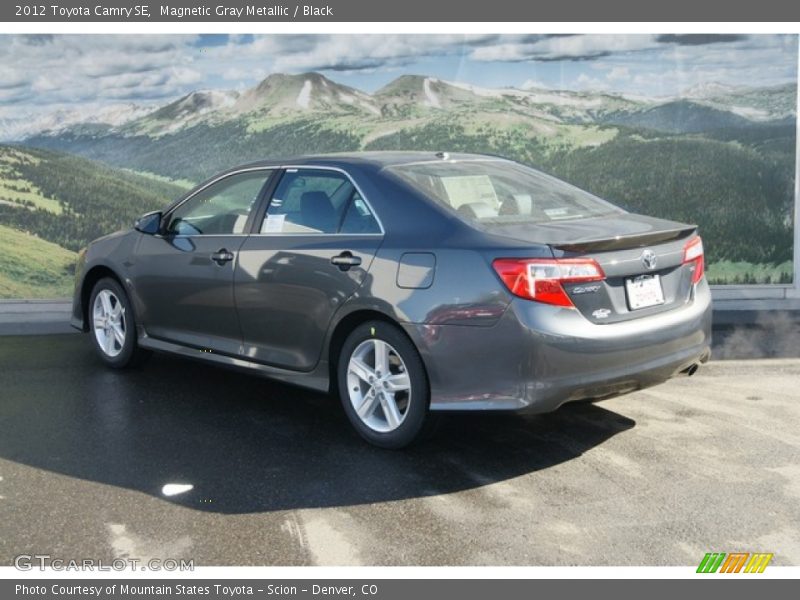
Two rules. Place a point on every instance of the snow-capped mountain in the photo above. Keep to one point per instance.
(312, 95)
(308, 92)
(709, 89)
(189, 110)
(423, 92)
(32, 123)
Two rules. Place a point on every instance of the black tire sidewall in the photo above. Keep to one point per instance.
(126, 356)
(415, 419)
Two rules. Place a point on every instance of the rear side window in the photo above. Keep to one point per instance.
(499, 191)
(314, 201)
(358, 218)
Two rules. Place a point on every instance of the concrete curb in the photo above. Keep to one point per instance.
(35, 317)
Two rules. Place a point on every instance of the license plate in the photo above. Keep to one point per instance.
(644, 291)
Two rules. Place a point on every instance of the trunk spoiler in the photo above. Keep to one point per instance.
(622, 242)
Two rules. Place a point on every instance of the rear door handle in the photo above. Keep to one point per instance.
(345, 260)
(222, 256)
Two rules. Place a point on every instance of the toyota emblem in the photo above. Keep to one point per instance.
(649, 259)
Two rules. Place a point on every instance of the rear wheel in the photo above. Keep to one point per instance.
(382, 385)
(113, 325)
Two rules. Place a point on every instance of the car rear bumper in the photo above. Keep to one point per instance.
(537, 357)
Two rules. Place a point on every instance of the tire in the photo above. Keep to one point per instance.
(112, 325)
(397, 414)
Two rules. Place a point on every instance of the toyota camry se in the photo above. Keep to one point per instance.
(405, 283)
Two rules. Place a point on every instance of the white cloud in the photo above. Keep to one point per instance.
(587, 82)
(618, 74)
(574, 47)
(530, 84)
(339, 52)
(70, 68)
(43, 72)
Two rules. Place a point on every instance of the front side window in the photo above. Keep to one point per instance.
(314, 201)
(220, 209)
(499, 191)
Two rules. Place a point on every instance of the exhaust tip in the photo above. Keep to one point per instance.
(691, 370)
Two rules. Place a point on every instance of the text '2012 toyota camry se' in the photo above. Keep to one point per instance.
(405, 283)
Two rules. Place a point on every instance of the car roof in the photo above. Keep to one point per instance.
(377, 159)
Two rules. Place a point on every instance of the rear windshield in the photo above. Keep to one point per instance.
(499, 191)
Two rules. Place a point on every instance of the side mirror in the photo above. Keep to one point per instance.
(149, 223)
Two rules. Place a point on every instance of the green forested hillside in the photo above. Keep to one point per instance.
(741, 199)
(201, 151)
(72, 200)
(681, 116)
(51, 205)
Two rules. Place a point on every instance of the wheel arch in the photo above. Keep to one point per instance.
(93, 275)
(345, 326)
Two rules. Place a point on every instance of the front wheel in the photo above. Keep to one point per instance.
(113, 326)
(383, 386)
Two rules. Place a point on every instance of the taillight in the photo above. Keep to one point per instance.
(693, 254)
(542, 279)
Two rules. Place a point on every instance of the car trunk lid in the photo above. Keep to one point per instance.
(642, 258)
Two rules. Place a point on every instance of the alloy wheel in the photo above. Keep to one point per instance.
(378, 385)
(108, 318)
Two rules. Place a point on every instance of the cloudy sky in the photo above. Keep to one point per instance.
(43, 72)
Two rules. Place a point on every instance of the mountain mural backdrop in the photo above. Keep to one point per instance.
(720, 156)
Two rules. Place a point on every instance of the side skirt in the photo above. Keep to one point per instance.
(315, 380)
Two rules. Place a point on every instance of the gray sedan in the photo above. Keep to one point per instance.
(405, 283)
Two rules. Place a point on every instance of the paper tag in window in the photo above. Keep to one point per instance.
(557, 213)
(466, 189)
(273, 224)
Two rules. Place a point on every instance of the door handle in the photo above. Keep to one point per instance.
(345, 260)
(222, 256)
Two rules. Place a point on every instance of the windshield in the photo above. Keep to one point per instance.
(499, 191)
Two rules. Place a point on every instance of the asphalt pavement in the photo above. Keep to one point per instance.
(89, 458)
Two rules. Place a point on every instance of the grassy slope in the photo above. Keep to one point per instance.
(32, 267)
(68, 201)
